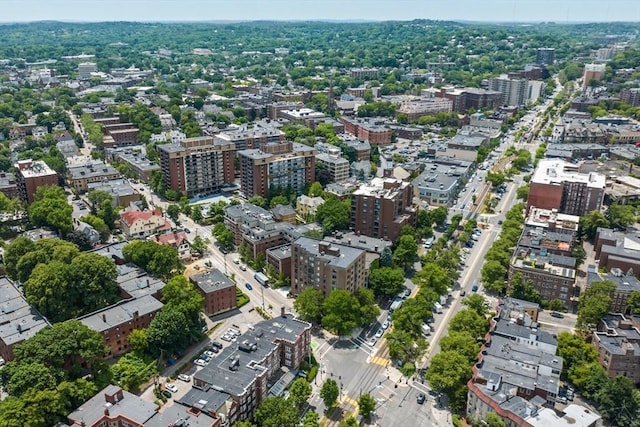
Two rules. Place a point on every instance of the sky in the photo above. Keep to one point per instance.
(560, 11)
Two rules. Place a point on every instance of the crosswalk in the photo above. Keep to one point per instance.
(382, 361)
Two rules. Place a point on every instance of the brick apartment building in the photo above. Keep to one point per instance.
(617, 341)
(276, 166)
(197, 165)
(252, 136)
(80, 175)
(18, 320)
(617, 251)
(557, 184)
(326, 266)
(369, 129)
(464, 99)
(9, 185)
(218, 290)
(115, 323)
(31, 174)
(381, 208)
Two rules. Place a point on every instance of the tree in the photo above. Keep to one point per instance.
(349, 422)
(280, 199)
(618, 401)
(97, 198)
(448, 371)
(434, 277)
(334, 214)
(299, 392)
(315, 190)
(168, 332)
(477, 303)
(18, 378)
(461, 343)
(309, 305)
(439, 215)
(621, 215)
(99, 225)
(43, 252)
(522, 193)
(276, 412)
(50, 208)
(633, 302)
(311, 419)
(496, 178)
(492, 276)
(386, 281)
(405, 345)
(79, 239)
(258, 201)
(200, 245)
(329, 392)
(595, 303)
(590, 222)
(386, 257)
(196, 214)
(524, 289)
(131, 371)
(13, 252)
(180, 294)
(223, 236)
(469, 321)
(411, 315)
(369, 311)
(342, 312)
(138, 341)
(161, 261)
(406, 251)
(366, 405)
(173, 211)
(493, 420)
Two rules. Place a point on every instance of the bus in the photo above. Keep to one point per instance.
(262, 279)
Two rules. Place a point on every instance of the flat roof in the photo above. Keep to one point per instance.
(556, 171)
(120, 313)
(346, 255)
(211, 281)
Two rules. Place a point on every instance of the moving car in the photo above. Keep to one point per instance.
(557, 315)
(243, 267)
(248, 286)
(171, 387)
(420, 398)
(462, 293)
(474, 288)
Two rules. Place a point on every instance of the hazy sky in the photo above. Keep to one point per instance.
(206, 10)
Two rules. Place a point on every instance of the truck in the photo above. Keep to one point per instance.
(443, 300)
(396, 304)
(262, 279)
(426, 329)
(437, 308)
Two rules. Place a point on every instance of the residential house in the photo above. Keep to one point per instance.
(177, 239)
(141, 224)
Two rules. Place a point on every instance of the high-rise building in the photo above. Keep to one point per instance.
(337, 166)
(85, 69)
(380, 209)
(326, 266)
(631, 96)
(513, 90)
(593, 72)
(197, 165)
(545, 56)
(557, 184)
(276, 166)
(30, 175)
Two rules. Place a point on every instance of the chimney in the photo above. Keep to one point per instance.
(282, 313)
(104, 317)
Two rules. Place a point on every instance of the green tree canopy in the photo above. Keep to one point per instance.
(386, 281)
(276, 412)
(299, 392)
(595, 303)
(309, 305)
(329, 392)
(161, 261)
(366, 405)
(50, 208)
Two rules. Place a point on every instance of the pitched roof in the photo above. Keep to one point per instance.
(130, 217)
(175, 238)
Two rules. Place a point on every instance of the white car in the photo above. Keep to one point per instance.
(372, 341)
(210, 353)
(171, 387)
(466, 250)
(379, 332)
(200, 362)
(184, 377)
(243, 267)
(386, 324)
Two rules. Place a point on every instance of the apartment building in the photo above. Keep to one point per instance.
(85, 69)
(31, 174)
(121, 191)
(252, 136)
(9, 185)
(326, 266)
(337, 166)
(363, 73)
(518, 374)
(141, 224)
(593, 72)
(236, 381)
(116, 322)
(218, 290)
(441, 181)
(18, 320)
(80, 175)
(307, 206)
(626, 283)
(382, 207)
(617, 341)
(631, 96)
(513, 90)
(276, 166)
(368, 129)
(464, 99)
(544, 257)
(545, 55)
(135, 157)
(257, 228)
(617, 250)
(197, 165)
(557, 184)
(417, 108)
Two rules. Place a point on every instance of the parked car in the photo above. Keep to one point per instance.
(557, 315)
(226, 337)
(166, 393)
(420, 398)
(217, 344)
(462, 293)
(184, 377)
(466, 250)
(200, 362)
(171, 387)
(386, 324)
(210, 353)
(379, 332)
(372, 341)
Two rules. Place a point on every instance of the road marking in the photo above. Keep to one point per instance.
(382, 361)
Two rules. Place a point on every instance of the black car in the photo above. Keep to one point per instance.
(217, 344)
(224, 251)
(166, 393)
(557, 315)
(420, 398)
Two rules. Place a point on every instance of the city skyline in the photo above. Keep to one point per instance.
(563, 11)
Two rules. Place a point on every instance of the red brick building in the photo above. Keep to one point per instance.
(218, 290)
(31, 174)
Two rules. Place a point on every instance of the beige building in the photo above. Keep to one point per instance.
(326, 266)
(142, 224)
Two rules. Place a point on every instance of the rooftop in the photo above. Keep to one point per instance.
(332, 253)
(18, 320)
(386, 188)
(120, 313)
(211, 281)
(554, 171)
(91, 169)
(33, 168)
